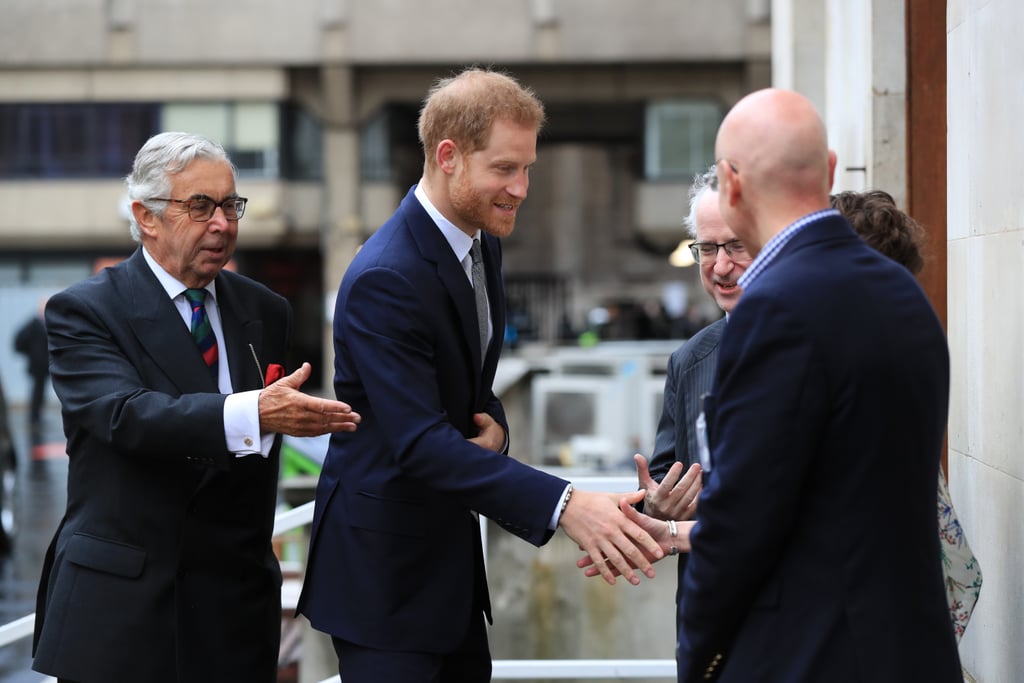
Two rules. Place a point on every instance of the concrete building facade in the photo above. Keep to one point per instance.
(316, 100)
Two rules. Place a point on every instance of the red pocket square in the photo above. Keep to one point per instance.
(274, 373)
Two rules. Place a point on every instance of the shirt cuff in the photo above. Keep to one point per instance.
(242, 425)
(557, 514)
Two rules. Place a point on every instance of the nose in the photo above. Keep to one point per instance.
(519, 185)
(723, 263)
(219, 220)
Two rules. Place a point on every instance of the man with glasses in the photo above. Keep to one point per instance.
(165, 364)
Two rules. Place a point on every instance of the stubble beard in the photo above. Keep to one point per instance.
(477, 212)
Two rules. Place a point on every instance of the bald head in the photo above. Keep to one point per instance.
(774, 164)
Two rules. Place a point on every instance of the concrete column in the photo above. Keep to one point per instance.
(799, 48)
(341, 235)
(849, 60)
(342, 231)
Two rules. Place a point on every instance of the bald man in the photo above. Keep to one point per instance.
(814, 554)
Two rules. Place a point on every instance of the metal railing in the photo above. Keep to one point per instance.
(508, 669)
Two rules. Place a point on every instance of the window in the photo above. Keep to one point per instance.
(302, 155)
(680, 138)
(249, 131)
(99, 140)
(72, 140)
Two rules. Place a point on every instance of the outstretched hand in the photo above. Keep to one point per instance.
(618, 544)
(286, 410)
(676, 496)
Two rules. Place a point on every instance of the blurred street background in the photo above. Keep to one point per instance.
(34, 498)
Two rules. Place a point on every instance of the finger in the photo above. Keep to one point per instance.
(691, 477)
(643, 540)
(643, 473)
(630, 511)
(601, 567)
(631, 498)
(671, 477)
(593, 571)
(297, 378)
(626, 560)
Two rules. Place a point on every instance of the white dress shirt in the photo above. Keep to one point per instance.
(241, 410)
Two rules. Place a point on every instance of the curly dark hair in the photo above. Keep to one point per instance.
(879, 222)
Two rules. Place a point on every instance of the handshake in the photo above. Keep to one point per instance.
(618, 540)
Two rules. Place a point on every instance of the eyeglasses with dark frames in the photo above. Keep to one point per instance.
(708, 251)
(201, 208)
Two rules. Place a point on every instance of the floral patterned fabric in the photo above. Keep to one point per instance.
(960, 567)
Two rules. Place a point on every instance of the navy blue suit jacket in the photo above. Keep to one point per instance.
(815, 554)
(395, 560)
(162, 569)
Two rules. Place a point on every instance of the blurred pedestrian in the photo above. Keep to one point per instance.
(30, 341)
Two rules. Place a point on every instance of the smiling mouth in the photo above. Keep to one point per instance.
(505, 207)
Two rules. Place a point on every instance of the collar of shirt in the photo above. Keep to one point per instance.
(170, 284)
(459, 241)
(770, 250)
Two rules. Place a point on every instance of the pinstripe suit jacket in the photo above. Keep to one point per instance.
(691, 370)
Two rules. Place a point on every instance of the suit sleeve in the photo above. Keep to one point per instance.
(98, 377)
(764, 427)
(392, 340)
(664, 454)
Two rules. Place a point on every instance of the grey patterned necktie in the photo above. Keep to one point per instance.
(480, 292)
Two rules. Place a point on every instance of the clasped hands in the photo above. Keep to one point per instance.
(667, 506)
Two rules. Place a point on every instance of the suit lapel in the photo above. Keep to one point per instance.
(243, 337)
(160, 329)
(435, 249)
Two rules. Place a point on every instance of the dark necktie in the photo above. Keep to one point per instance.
(202, 331)
(480, 292)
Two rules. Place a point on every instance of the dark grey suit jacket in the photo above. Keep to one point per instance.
(162, 568)
(691, 371)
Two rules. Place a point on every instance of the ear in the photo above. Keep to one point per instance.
(831, 168)
(446, 155)
(728, 183)
(144, 217)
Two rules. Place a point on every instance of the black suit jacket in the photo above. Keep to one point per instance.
(162, 568)
(815, 554)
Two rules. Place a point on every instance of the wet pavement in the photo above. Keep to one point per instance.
(36, 491)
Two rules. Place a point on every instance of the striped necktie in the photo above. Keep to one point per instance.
(202, 331)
